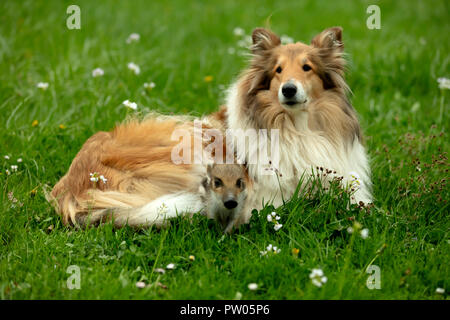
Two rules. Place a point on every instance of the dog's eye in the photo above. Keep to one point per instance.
(217, 183)
(240, 184)
(279, 70)
(306, 67)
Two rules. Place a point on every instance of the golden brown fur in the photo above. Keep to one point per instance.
(330, 110)
(317, 126)
(135, 158)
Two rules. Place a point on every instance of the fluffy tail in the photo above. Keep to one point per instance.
(154, 213)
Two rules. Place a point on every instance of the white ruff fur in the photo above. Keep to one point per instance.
(300, 151)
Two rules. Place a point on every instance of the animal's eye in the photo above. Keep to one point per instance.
(306, 67)
(240, 183)
(279, 70)
(217, 183)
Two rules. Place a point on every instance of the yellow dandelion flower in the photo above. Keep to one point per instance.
(34, 123)
(191, 257)
(208, 78)
(62, 126)
(295, 251)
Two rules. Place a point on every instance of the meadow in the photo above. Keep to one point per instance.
(191, 51)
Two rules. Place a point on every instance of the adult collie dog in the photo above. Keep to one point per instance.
(296, 90)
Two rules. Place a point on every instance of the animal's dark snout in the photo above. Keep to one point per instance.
(289, 90)
(230, 204)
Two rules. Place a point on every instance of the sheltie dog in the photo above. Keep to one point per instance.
(295, 93)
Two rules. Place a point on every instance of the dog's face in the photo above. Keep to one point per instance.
(296, 74)
(295, 79)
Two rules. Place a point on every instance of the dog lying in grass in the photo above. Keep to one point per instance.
(221, 196)
(295, 93)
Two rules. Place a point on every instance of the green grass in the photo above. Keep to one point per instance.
(393, 74)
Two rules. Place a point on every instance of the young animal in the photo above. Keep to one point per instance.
(226, 190)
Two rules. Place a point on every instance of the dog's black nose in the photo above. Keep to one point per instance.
(230, 204)
(289, 90)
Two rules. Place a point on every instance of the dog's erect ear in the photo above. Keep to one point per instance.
(330, 59)
(263, 40)
(330, 38)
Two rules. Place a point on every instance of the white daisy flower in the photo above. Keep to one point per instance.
(269, 218)
(277, 227)
(129, 104)
(273, 213)
(316, 273)
(97, 72)
(160, 270)
(149, 85)
(444, 83)
(7, 157)
(93, 177)
(238, 31)
(19, 160)
(355, 180)
(350, 230)
(140, 284)
(317, 277)
(42, 85)
(134, 67)
(104, 180)
(14, 168)
(364, 233)
(133, 37)
(170, 266)
(270, 249)
(440, 290)
(7, 172)
(319, 282)
(253, 286)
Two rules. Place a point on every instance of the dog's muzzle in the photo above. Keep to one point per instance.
(291, 94)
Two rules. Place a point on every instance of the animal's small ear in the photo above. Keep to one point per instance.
(264, 39)
(330, 38)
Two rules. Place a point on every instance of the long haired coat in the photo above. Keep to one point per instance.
(297, 89)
